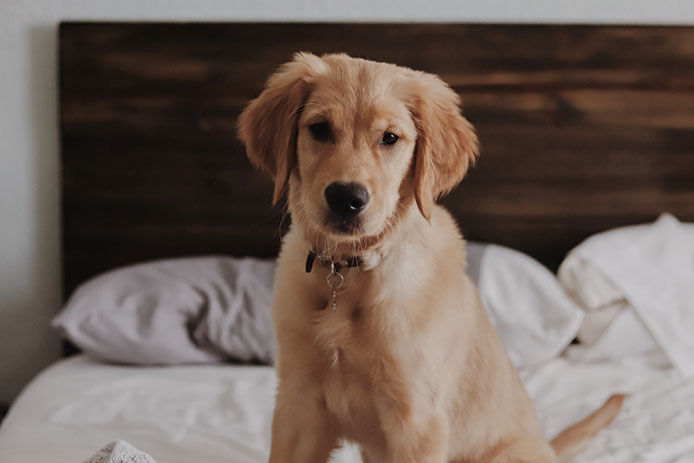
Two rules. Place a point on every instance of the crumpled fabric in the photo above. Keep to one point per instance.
(120, 452)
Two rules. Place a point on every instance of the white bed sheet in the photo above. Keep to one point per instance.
(222, 413)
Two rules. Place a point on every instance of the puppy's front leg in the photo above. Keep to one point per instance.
(301, 429)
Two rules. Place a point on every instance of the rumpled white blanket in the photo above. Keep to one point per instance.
(637, 286)
(119, 452)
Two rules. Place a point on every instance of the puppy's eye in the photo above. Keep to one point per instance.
(320, 131)
(389, 138)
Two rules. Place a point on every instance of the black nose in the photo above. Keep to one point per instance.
(346, 199)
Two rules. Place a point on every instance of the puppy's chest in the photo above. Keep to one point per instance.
(348, 324)
(351, 383)
(342, 329)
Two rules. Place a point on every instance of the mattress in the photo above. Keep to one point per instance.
(222, 413)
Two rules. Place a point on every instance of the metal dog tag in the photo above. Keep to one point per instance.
(334, 280)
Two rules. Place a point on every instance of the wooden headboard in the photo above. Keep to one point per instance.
(582, 129)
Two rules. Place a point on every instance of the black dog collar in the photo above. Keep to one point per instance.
(349, 262)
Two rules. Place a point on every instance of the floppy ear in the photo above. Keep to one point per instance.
(446, 142)
(268, 124)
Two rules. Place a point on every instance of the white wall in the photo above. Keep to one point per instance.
(29, 164)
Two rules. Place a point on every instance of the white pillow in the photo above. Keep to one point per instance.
(529, 309)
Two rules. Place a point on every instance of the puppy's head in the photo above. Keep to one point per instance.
(355, 141)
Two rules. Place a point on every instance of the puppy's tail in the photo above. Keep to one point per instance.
(571, 440)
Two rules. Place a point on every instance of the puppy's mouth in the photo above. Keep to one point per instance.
(348, 227)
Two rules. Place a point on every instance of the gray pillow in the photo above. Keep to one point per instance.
(189, 310)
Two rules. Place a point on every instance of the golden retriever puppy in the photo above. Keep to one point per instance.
(382, 338)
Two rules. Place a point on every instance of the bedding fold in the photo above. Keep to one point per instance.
(637, 285)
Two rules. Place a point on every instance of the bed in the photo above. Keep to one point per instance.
(583, 129)
(222, 413)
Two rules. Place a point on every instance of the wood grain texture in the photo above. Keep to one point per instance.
(582, 129)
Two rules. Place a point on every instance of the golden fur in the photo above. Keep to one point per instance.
(408, 365)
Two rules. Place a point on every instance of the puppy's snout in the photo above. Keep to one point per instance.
(346, 199)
